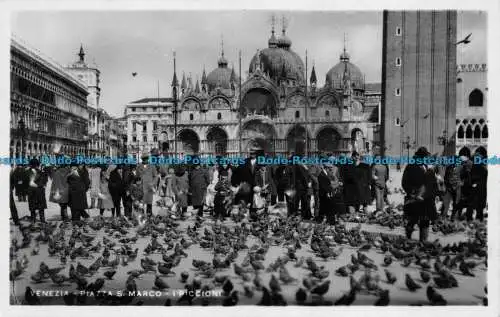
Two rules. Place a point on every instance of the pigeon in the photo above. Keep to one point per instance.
(411, 284)
(465, 41)
(266, 298)
(383, 299)
(387, 260)
(425, 276)
(227, 287)
(321, 289)
(109, 274)
(434, 297)
(300, 296)
(160, 284)
(465, 269)
(274, 284)
(184, 276)
(134, 74)
(346, 299)
(342, 271)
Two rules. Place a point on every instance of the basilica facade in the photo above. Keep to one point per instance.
(278, 107)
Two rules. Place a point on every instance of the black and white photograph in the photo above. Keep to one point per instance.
(249, 158)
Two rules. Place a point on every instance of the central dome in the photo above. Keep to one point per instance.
(279, 61)
(222, 76)
(335, 76)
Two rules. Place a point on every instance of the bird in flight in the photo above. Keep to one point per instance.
(134, 74)
(466, 40)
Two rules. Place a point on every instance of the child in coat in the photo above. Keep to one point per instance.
(136, 194)
(222, 199)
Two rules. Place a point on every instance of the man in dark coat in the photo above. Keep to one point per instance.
(419, 183)
(36, 191)
(198, 183)
(297, 193)
(328, 192)
(77, 189)
(466, 182)
(452, 183)
(244, 178)
(13, 209)
(351, 183)
(21, 181)
(59, 190)
(479, 179)
(129, 177)
(117, 188)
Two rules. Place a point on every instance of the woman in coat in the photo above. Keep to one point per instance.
(77, 189)
(420, 185)
(36, 192)
(59, 191)
(105, 201)
(198, 183)
(149, 175)
(21, 182)
(95, 183)
(180, 187)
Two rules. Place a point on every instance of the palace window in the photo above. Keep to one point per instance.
(155, 125)
(397, 92)
(134, 127)
(327, 113)
(477, 132)
(398, 31)
(297, 114)
(133, 109)
(144, 138)
(398, 61)
(484, 133)
(191, 116)
(155, 138)
(219, 116)
(460, 132)
(468, 132)
(476, 98)
(134, 139)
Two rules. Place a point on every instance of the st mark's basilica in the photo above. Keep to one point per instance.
(279, 110)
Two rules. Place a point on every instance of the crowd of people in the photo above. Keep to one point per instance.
(313, 192)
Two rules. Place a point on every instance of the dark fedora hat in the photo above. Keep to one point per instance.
(422, 152)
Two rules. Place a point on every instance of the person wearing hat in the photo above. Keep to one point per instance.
(36, 191)
(117, 189)
(13, 208)
(452, 184)
(59, 192)
(479, 180)
(77, 193)
(244, 178)
(329, 191)
(419, 183)
(198, 183)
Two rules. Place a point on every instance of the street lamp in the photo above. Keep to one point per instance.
(21, 129)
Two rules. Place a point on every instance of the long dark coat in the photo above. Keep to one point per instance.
(117, 183)
(198, 183)
(479, 176)
(419, 182)
(21, 180)
(180, 187)
(351, 189)
(245, 174)
(363, 176)
(36, 195)
(77, 192)
(60, 185)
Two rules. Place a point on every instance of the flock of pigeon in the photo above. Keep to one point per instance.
(157, 249)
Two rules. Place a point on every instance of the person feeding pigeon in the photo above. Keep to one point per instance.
(36, 191)
(419, 183)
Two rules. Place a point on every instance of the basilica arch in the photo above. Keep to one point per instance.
(329, 140)
(296, 139)
(259, 132)
(217, 141)
(189, 141)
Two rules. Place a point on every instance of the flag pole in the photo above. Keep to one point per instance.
(305, 113)
(239, 109)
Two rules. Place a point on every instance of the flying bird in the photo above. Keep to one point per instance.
(466, 40)
(134, 74)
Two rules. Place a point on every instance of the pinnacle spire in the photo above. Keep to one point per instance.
(204, 76)
(183, 83)
(197, 87)
(81, 54)
(313, 79)
(175, 82)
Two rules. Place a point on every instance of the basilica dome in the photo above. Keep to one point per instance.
(221, 76)
(279, 61)
(335, 76)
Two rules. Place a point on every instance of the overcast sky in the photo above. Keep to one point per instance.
(120, 43)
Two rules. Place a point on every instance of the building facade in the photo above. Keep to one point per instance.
(276, 107)
(97, 116)
(419, 81)
(48, 106)
(472, 116)
(141, 124)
